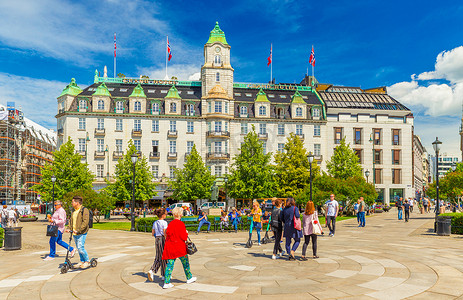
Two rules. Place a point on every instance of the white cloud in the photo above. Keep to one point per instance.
(36, 97)
(73, 31)
(428, 128)
(181, 71)
(423, 94)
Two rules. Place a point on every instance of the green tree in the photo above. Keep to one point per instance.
(194, 181)
(71, 174)
(121, 189)
(251, 174)
(98, 203)
(344, 163)
(450, 186)
(292, 173)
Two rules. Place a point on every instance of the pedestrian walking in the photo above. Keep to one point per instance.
(4, 216)
(202, 219)
(289, 213)
(399, 204)
(311, 225)
(159, 233)
(332, 210)
(79, 224)
(361, 209)
(58, 219)
(175, 247)
(425, 205)
(406, 206)
(412, 203)
(11, 217)
(356, 211)
(256, 214)
(277, 228)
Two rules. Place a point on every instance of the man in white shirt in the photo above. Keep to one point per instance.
(332, 210)
(411, 202)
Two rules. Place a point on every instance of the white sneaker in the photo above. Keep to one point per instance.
(151, 275)
(191, 280)
(85, 265)
(274, 257)
(167, 286)
(49, 258)
(259, 244)
(73, 252)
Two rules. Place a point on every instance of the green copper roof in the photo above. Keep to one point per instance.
(173, 93)
(138, 92)
(297, 98)
(261, 96)
(71, 89)
(217, 35)
(102, 90)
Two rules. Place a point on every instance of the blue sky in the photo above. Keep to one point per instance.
(413, 48)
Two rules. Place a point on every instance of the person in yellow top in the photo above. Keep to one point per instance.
(79, 225)
(256, 214)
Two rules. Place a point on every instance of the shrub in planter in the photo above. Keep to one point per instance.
(2, 234)
(457, 222)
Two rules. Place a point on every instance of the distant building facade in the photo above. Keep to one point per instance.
(165, 118)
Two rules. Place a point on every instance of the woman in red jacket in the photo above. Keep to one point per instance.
(175, 247)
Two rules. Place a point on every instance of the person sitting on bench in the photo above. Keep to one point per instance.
(202, 218)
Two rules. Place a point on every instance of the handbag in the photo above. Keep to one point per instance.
(297, 221)
(190, 247)
(316, 228)
(52, 230)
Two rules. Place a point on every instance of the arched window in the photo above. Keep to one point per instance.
(244, 110)
(262, 110)
(298, 112)
(217, 77)
(173, 107)
(217, 59)
(155, 107)
(100, 104)
(316, 112)
(137, 106)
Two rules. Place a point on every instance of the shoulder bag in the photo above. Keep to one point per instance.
(297, 221)
(190, 247)
(316, 228)
(52, 230)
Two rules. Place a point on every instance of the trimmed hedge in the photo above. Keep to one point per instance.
(2, 234)
(457, 222)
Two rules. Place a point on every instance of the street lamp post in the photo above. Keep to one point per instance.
(107, 170)
(436, 145)
(310, 158)
(53, 179)
(87, 139)
(372, 139)
(134, 158)
(367, 173)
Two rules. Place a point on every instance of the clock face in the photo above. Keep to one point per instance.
(217, 49)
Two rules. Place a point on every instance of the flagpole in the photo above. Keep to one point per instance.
(271, 64)
(313, 67)
(167, 42)
(114, 55)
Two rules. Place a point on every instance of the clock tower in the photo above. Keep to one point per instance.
(217, 69)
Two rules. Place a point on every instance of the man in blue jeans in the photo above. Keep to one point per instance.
(399, 205)
(79, 225)
(361, 212)
(203, 220)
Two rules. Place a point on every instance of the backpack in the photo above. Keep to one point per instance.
(90, 217)
(275, 217)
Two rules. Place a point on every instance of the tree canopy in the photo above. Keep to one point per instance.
(121, 189)
(71, 174)
(450, 186)
(251, 174)
(98, 203)
(344, 163)
(193, 181)
(292, 172)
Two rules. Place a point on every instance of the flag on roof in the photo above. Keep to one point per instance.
(169, 52)
(269, 59)
(114, 44)
(312, 58)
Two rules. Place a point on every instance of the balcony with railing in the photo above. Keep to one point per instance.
(318, 157)
(155, 155)
(100, 154)
(172, 155)
(218, 134)
(172, 133)
(244, 115)
(118, 154)
(99, 132)
(136, 132)
(218, 155)
(81, 152)
(263, 136)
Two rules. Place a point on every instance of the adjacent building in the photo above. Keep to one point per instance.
(165, 118)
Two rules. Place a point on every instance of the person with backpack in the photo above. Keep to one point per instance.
(79, 224)
(399, 204)
(277, 227)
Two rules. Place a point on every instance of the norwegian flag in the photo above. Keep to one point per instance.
(312, 58)
(114, 45)
(169, 51)
(269, 59)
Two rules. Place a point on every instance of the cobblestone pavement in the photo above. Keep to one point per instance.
(388, 259)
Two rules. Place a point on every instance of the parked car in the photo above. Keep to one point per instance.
(187, 208)
(208, 205)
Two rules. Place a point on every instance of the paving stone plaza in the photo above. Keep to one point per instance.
(388, 259)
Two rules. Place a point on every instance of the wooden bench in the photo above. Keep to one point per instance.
(190, 221)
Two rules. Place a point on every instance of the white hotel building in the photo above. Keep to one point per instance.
(165, 118)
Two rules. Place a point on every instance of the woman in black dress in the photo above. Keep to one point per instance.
(287, 216)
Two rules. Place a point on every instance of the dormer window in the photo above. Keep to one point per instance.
(137, 106)
(190, 110)
(316, 112)
(119, 105)
(100, 105)
(262, 110)
(244, 110)
(217, 60)
(173, 107)
(217, 77)
(82, 104)
(155, 107)
(298, 112)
